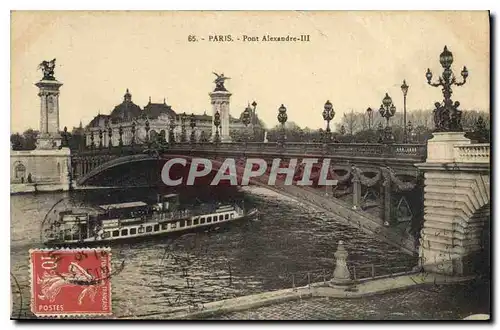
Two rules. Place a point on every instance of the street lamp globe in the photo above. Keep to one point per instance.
(465, 73)
(381, 110)
(282, 116)
(217, 119)
(428, 75)
(446, 58)
(328, 112)
(386, 101)
(246, 116)
(404, 88)
(392, 109)
(192, 121)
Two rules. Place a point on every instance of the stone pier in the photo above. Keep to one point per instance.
(40, 170)
(456, 203)
(47, 168)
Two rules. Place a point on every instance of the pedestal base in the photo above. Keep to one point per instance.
(48, 142)
(441, 147)
(339, 282)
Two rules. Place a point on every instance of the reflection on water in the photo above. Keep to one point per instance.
(248, 257)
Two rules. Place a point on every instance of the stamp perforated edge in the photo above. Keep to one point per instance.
(70, 315)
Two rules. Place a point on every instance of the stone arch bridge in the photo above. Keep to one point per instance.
(380, 187)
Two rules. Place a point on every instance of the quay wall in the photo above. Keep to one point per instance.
(39, 170)
(323, 289)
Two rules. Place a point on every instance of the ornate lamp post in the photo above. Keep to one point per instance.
(404, 88)
(147, 131)
(192, 123)
(183, 127)
(369, 113)
(120, 132)
(410, 129)
(133, 133)
(217, 124)
(110, 135)
(328, 114)
(380, 129)
(254, 120)
(282, 118)
(65, 137)
(83, 145)
(100, 138)
(163, 138)
(447, 117)
(387, 110)
(171, 135)
(246, 120)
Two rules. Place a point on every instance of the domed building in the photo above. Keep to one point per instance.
(125, 111)
(128, 123)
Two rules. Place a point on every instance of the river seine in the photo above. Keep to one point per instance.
(277, 251)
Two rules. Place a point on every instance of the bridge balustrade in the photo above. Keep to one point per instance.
(473, 153)
(407, 152)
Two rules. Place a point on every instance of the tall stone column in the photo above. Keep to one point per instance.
(49, 137)
(220, 103)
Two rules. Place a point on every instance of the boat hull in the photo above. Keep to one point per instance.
(155, 236)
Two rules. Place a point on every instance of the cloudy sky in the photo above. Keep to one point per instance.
(352, 59)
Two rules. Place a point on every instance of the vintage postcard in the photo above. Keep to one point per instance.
(250, 165)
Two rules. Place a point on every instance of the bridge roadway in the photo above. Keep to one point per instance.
(400, 157)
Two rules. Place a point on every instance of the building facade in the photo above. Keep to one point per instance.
(127, 123)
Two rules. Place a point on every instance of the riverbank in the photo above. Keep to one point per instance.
(26, 188)
(354, 289)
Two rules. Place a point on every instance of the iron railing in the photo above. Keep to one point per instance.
(359, 273)
(416, 152)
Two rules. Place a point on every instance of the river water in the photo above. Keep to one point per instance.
(289, 241)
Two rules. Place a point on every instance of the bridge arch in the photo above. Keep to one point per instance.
(217, 162)
(341, 209)
(457, 211)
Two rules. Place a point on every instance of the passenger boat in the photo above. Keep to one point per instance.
(123, 221)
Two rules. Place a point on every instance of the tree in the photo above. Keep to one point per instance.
(17, 141)
(29, 139)
(26, 141)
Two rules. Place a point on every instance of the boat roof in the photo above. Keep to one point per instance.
(170, 195)
(123, 205)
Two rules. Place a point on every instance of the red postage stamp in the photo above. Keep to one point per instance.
(70, 282)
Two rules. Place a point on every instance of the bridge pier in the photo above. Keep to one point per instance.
(456, 203)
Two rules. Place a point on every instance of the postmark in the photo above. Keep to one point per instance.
(70, 282)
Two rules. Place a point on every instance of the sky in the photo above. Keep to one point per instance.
(352, 59)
